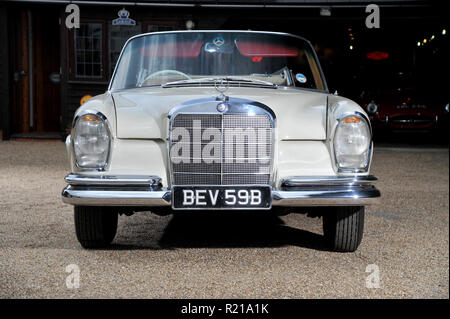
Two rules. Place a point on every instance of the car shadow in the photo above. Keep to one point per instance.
(229, 230)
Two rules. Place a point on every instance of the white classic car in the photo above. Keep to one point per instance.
(219, 120)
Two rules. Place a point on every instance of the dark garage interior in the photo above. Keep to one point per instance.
(397, 66)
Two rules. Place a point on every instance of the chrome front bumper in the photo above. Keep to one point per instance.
(146, 191)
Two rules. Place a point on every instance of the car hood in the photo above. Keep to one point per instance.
(143, 112)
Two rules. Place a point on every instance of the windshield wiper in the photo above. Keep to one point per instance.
(188, 81)
(244, 79)
(212, 80)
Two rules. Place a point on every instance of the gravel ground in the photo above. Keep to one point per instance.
(406, 236)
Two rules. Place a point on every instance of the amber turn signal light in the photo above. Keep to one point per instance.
(352, 119)
(90, 118)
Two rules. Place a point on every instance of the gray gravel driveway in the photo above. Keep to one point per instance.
(240, 256)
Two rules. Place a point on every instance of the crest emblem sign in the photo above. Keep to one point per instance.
(123, 18)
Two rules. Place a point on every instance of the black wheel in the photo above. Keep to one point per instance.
(95, 226)
(343, 228)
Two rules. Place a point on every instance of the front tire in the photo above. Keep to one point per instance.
(343, 228)
(95, 227)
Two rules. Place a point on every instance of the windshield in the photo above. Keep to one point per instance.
(161, 58)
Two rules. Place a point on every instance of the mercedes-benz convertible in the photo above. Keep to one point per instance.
(219, 120)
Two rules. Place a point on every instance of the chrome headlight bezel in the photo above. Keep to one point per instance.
(104, 166)
(344, 170)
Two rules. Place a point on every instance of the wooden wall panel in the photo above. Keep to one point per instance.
(4, 75)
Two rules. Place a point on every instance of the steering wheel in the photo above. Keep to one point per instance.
(162, 72)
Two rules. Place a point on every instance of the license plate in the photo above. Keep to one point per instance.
(221, 197)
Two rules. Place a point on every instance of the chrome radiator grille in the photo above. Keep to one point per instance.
(220, 149)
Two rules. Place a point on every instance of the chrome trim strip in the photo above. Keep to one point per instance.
(341, 196)
(104, 197)
(113, 180)
(208, 106)
(306, 180)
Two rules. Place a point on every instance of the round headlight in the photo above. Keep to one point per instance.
(351, 143)
(91, 141)
(372, 107)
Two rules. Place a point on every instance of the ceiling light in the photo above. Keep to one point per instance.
(190, 24)
(325, 11)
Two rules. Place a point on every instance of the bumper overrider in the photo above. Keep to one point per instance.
(147, 191)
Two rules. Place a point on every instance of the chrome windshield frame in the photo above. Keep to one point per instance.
(316, 59)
